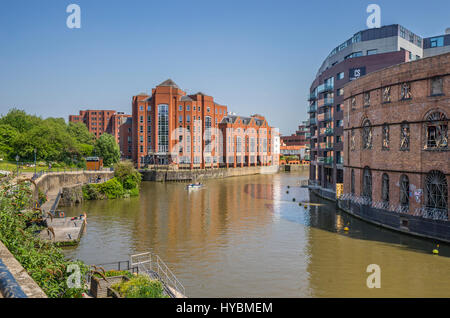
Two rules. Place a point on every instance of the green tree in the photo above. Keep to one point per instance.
(107, 148)
(20, 120)
(80, 132)
(7, 136)
(125, 172)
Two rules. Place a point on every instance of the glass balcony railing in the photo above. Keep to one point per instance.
(312, 121)
(328, 101)
(340, 160)
(328, 160)
(312, 96)
(325, 88)
(329, 131)
(312, 108)
(329, 145)
(328, 117)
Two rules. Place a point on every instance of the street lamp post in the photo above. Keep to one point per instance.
(35, 168)
(17, 162)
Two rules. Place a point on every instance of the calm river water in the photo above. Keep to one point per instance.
(245, 237)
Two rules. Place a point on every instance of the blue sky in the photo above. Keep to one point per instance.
(253, 56)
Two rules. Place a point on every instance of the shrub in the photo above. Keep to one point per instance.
(112, 188)
(140, 286)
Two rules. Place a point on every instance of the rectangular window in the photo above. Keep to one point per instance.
(180, 119)
(180, 108)
(340, 75)
(437, 87)
(372, 52)
(188, 108)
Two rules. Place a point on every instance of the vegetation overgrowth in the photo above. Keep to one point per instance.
(20, 223)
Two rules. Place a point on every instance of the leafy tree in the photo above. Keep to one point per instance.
(80, 132)
(125, 172)
(20, 120)
(107, 148)
(7, 135)
(54, 140)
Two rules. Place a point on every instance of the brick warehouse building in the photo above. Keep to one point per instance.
(192, 131)
(367, 51)
(396, 138)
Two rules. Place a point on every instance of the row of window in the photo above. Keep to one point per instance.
(436, 88)
(436, 134)
(436, 189)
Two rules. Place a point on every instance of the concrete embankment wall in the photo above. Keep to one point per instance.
(438, 230)
(14, 280)
(54, 182)
(196, 175)
(294, 167)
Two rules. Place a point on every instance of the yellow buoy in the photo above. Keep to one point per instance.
(436, 251)
(345, 228)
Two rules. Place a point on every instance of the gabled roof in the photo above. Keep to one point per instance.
(169, 82)
(186, 99)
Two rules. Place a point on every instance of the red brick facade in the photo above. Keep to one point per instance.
(170, 127)
(99, 122)
(396, 129)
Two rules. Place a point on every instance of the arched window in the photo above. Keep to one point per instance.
(436, 130)
(385, 188)
(367, 135)
(404, 191)
(352, 185)
(367, 183)
(436, 190)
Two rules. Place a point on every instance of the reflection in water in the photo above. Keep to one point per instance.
(245, 237)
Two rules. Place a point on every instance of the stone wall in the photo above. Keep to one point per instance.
(20, 283)
(71, 195)
(197, 175)
(53, 182)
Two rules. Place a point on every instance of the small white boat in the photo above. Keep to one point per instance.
(194, 186)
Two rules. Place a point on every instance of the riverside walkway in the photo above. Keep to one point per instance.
(60, 229)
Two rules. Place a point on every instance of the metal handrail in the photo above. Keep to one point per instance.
(157, 265)
(423, 212)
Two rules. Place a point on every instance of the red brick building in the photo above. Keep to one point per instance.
(171, 127)
(99, 122)
(396, 137)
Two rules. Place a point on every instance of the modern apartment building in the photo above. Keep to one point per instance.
(193, 131)
(437, 44)
(365, 52)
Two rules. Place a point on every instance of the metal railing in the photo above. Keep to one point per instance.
(423, 211)
(149, 262)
